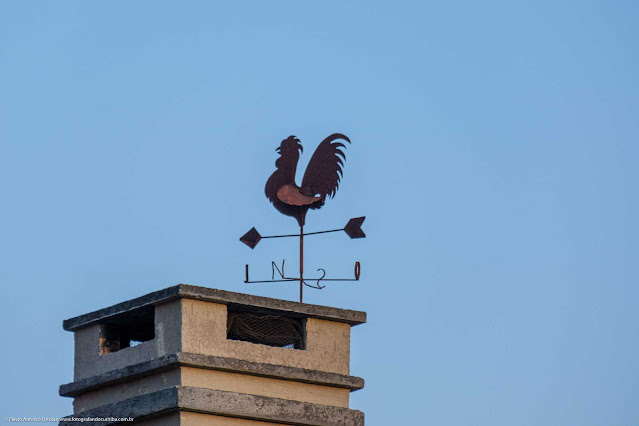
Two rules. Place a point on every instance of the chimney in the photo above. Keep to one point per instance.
(191, 355)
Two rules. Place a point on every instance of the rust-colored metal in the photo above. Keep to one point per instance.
(321, 178)
(302, 264)
(251, 238)
(354, 227)
(290, 194)
(304, 280)
(320, 181)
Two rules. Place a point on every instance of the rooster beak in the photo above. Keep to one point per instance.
(277, 149)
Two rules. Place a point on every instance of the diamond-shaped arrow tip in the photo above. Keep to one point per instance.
(251, 238)
(354, 227)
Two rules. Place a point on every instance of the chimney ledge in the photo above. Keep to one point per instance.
(186, 291)
(208, 362)
(228, 404)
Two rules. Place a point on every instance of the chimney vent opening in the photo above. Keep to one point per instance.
(127, 330)
(271, 329)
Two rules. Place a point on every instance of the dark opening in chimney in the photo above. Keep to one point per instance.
(266, 328)
(127, 329)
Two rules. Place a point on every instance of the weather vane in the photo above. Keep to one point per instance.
(321, 180)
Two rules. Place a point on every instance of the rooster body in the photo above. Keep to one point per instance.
(321, 178)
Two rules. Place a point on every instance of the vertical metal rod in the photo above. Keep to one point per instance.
(301, 263)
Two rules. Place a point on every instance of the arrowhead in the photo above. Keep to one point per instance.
(251, 238)
(354, 227)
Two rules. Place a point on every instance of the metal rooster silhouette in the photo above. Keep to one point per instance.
(321, 178)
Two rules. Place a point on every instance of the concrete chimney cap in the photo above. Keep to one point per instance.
(186, 291)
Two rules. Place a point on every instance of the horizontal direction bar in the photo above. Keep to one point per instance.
(305, 234)
(305, 279)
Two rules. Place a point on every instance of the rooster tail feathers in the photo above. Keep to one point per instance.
(324, 170)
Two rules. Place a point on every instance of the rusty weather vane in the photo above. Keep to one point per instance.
(321, 180)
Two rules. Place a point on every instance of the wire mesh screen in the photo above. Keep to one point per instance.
(266, 329)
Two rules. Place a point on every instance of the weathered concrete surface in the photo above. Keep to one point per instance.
(166, 419)
(112, 377)
(204, 332)
(189, 365)
(210, 379)
(168, 331)
(156, 366)
(229, 404)
(186, 291)
(263, 408)
(137, 407)
(125, 390)
(263, 369)
(187, 418)
(254, 385)
(196, 419)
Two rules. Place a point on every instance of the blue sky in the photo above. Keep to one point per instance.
(494, 154)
